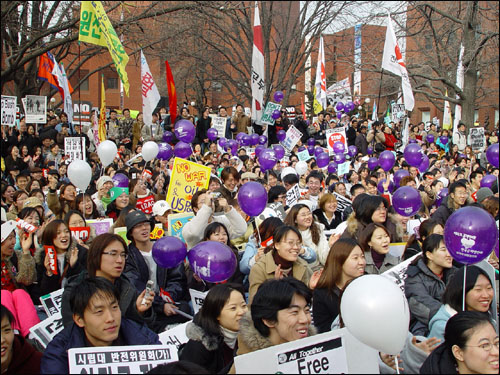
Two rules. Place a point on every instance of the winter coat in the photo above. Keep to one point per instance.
(444, 211)
(325, 308)
(301, 126)
(317, 251)
(389, 262)
(264, 270)
(355, 227)
(321, 218)
(361, 143)
(438, 322)
(460, 139)
(207, 350)
(128, 298)
(351, 136)
(390, 141)
(202, 126)
(21, 269)
(241, 121)
(230, 196)
(54, 205)
(25, 358)
(55, 357)
(411, 356)
(424, 291)
(439, 362)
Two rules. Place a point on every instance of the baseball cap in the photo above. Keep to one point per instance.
(7, 229)
(136, 217)
(160, 207)
(32, 202)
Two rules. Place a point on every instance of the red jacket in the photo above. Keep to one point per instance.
(390, 141)
(25, 358)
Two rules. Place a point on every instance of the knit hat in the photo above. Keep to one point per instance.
(134, 218)
(102, 180)
(483, 193)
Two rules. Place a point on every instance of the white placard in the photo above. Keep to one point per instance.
(47, 329)
(339, 92)
(292, 137)
(175, 336)
(318, 353)
(136, 359)
(397, 274)
(293, 195)
(398, 112)
(219, 123)
(74, 149)
(197, 299)
(343, 168)
(335, 135)
(397, 249)
(36, 109)
(9, 104)
(476, 139)
(52, 302)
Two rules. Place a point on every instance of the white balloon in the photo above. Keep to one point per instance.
(80, 174)
(107, 151)
(286, 171)
(301, 167)
(376, 312)
(150, 150)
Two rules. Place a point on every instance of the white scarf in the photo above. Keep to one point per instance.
(230, 337)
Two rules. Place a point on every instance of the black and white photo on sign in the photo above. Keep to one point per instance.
(74, 149)
(9, 110)
(339, 92)
(36, 109)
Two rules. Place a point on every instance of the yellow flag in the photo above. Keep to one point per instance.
(104, 33)
(102, 115)
(317, 107)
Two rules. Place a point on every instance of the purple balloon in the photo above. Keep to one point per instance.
(369, 150)
(496, 250)
(262, 140)
(231, 143)
(332, 167)
(276, 114)
(443, 139)
(430, 138)
(413, 155)
(470, 234)
(349, 107)
(339, 115)
(311, 142)
(168, 137)
(380, 186)
(169, 252)
(387, 160)
(338, 147)
(398, 175)
(279, 151)
(255, 139)
(406, 201)
(239, 136)
(222, 142)
(252, 198)
(185, 131)
(340, 106)
(443, 193)
(488, 181)
(352, 151)
(182, 150)
(318, 150)
(267, 159)
(212, 261)
(165, 151)
(424, 165)
(258, 150)
(246, 140)
(212, 134)
(372, 163)
(339, 158)
(278, 96)
(281, 135)
(492, 155)
(412, 141)
(322, 160)
(310, 149)
(120, 180)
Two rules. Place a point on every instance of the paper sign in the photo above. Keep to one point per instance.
(81, 113)
(176, 223)
(267, 118)
(477, 140)
(81, 233)
(74, 149)
(166, 296)
(398, 112)
(175, 336)
(397, 249)
(101, 225)
(343, 168)
(27, 227)
(293, 195)
(135, 359)
(339, 92)
(47, 329)
(157, 232)
(397, 274)
(122, 232)
(292, 137)
(9, 110)
(186, 179)
(51, 253)
(52, 302)
(36, 109)
(219, 123)
(146, 204)
(146, 175)
(278, 208)
(197, 299)
(335, 135)
(342, 202)
(304, 155)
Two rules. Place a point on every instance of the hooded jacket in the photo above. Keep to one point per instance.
(55, 357)
(355, 227)
(424, 291)
(25, 358)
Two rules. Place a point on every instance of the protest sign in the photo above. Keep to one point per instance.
(343, 168)
(74, 149)
(397, 112)
(278, 208)
(134, 359)
(292, 137)
(339, 92)
(47, 329)
(81, 233)
(36, 109)
(219, 123)
(342, 202)
(292, 195)
(304, 155)
(397, 249)
(52, 302)
(24, 225)
(197, 299)
(157, 232)
(290, 113)
(146, 204)
(397, 274)
(334, 352)
(122, 232)
(477, 140)
(186, 179)
(100, 225)
(81, 113)
(175, 336)
(335, 135)
(51, 253)
(176, 223)
(9, 110)
(267, 118)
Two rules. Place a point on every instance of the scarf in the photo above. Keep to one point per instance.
(285, 264)
(378, 259)
(230, 337)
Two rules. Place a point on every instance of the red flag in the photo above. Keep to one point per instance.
(302, 107)
(45, 72)
(172, 94)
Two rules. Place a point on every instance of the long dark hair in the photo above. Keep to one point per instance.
(370, 203)
(266, 229)
(425, 229)
(79, 199)
(292, 216)
(431, 243)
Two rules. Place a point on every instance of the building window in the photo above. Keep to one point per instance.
(112, 83)
(496, 117)
(426, 116)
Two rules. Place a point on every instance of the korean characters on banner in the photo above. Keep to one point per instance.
(74, 149)
(335, 135)
(47, 329)
(52, 302)
(219, 123)
(197, 298)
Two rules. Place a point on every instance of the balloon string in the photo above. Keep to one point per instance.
(397, 365)
(463, 296)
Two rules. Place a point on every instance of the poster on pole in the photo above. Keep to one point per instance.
(74, 149)
(336, 135)
(9, 104)
(339, 92)
(477, 140)
(81, 113)
(267, 118)
(293, 135)
(36, 109)
(219, 123)
(397, 112)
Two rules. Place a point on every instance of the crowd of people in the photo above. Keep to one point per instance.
(294, 262)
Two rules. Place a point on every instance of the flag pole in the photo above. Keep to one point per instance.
(379, 91)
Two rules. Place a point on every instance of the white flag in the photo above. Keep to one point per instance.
(320, 83)
(150, 94)
(393, 62)
(446, 114)
(60, 73)
(460, 84)
(258, 78)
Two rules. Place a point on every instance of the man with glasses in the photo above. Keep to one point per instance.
(456, 199)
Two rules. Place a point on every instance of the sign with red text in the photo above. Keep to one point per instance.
(186, 179)
(51, 253)
(335, 135)
(81, 233)
(146, 204)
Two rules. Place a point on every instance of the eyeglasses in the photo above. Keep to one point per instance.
(114, 254)
(487, 346)
(294, 243)
(383, 208)
(281, 196)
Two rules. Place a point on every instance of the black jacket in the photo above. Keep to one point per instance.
(202, 127)
(444, 211)
(301, 126)
(439, 362)
(361, 143)
(326, 307)
(350, 134)
(320, 215)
